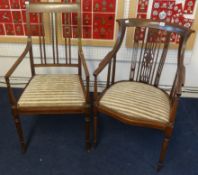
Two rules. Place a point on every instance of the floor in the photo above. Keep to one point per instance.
(56, 145)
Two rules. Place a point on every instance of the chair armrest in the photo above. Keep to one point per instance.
(10, 72)
(103, 63)
(106, 60)
(18, 61)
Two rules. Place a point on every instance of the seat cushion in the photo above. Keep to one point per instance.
(137, 101)
(53, 91)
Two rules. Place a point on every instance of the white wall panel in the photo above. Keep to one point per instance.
(9, 53)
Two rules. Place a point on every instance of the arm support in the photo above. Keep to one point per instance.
(82, 58)
(12, 69)
(84, 65)
(104, 62)
(18, 61)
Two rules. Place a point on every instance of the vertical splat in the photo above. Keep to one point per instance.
(148, 56)
(152, 38)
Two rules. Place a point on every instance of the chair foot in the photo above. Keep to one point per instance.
(159, 166)
(165, 143)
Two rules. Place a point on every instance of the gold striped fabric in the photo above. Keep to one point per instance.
(138, 101)
(53, 90)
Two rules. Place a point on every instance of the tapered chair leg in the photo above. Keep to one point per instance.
(95, 125)
(20, 132)
(164, 148)
(87, 128)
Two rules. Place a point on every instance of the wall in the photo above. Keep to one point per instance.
(9, 53)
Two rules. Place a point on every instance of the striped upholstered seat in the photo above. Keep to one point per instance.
(53, 91)
(137, 101)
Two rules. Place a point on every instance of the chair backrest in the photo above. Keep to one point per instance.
(151, 43)
(51, 38)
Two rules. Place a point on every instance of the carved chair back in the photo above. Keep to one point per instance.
(151, 43)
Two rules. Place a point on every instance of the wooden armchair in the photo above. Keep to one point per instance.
(138, 100)
(60, 93)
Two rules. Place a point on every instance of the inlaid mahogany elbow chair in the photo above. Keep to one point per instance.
(59, 93)
(139, 100)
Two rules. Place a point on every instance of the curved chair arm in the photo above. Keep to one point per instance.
(106, 60)
(111, 55)
(11, 71)
(18, 61)
(84, 65)
(180, 77)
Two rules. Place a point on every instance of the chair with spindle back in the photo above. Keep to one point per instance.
(138, 99)
(63, 92)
